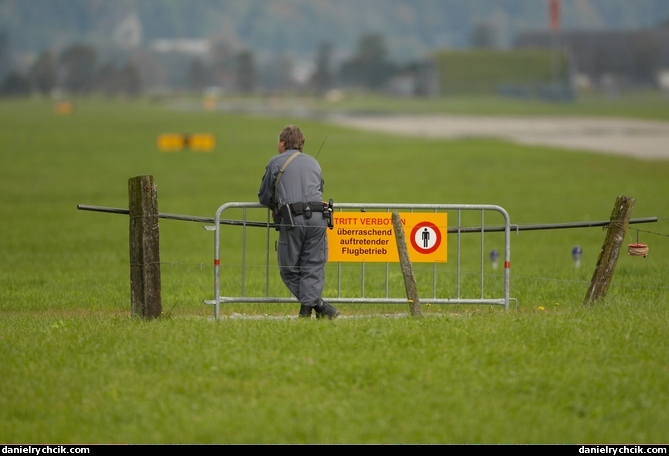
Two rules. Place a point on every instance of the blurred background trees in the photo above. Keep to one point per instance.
(397, 47)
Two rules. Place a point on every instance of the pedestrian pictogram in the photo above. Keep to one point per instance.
(425, 237)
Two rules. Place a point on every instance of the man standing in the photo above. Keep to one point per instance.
(292, 187)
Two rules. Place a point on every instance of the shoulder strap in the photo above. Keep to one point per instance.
(278, 176)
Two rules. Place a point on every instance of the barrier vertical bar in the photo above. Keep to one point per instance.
(459, 249)
(482, 252)
(244, 252)
(267, 247)
(507, 255)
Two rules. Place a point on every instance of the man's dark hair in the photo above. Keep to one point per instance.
(292, 137)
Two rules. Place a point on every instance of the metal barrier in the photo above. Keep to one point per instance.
(387, 297)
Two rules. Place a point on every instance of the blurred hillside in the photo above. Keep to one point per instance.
(133, 45)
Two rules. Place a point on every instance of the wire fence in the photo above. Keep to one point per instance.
(206, 267)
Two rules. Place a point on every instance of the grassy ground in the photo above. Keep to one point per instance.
(75, 368)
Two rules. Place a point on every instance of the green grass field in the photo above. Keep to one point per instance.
(76, 368)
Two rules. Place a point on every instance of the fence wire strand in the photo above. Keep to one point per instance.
(514, 278)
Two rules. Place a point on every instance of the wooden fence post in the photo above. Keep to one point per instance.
(407, 268)
(144, 248)
(608, 256)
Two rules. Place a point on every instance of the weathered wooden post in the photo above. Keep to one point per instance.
(608, 256)
(407, 268)
(144, 247)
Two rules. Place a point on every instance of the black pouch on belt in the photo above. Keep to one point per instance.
(276, 218)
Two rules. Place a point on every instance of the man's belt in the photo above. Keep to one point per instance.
(301, 208)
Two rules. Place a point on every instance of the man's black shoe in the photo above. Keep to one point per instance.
(326, 310)
(305, 311)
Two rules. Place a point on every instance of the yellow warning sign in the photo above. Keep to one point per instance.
(197, 142)
(209, 102)
(64, 107)
(170, 142)
(201, 142)
(370, 237)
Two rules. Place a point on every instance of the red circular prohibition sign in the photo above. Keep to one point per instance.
(436, 231)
